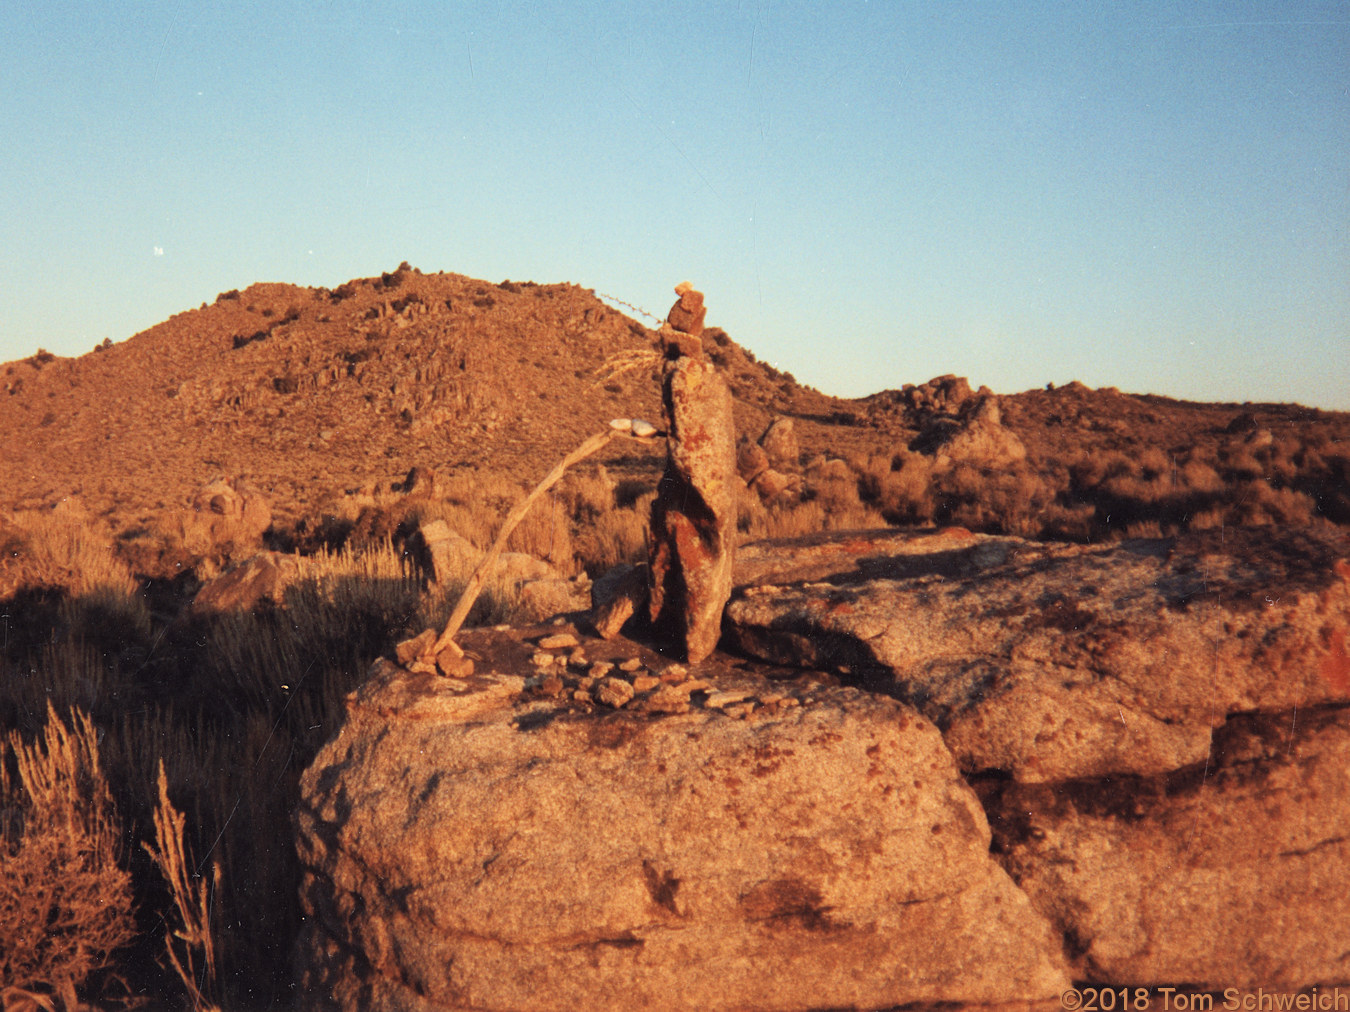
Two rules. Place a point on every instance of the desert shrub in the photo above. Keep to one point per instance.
(1004, 501)
(192, 900)
(900, 486)
(65, 902)
(1197, 476)
(617, 536)
(833, 484)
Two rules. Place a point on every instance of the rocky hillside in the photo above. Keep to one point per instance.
(310, 394)
(304, 391)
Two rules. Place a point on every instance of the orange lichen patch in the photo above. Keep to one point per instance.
(858, 546)
(956, 533)
(1336, 664)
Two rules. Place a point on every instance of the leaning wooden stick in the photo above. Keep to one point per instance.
(479, 577)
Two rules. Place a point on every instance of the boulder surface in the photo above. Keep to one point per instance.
(504, 843)
(1058, 661)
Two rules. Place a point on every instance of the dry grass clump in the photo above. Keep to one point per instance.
(65, 900)
(194, 956)
(59, 550)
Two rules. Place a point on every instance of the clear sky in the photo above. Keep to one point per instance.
(1153, 196)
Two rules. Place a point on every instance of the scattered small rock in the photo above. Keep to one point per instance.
(558, 641)
(632, 664)
(643, 683)
(411, 649)
(614, 692)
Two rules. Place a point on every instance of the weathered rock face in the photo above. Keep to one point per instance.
(1232, 874)
(1173, 713)
(1061, 661)
(494, 843)
(693, 521)
(976, 435)
(780, 444)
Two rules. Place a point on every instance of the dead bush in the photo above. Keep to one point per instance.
(65, 901)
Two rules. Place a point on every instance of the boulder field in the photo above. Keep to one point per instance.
(925, 767)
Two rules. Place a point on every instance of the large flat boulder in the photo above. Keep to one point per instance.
(1233, 874)
(634, 837)
(1057, 661)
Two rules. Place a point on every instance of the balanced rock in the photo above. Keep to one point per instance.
(693, 519)
(469, 845)
(687, 315)
(1056, 661)
(780, 445)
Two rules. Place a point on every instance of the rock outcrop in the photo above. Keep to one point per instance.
(500, 842)
(225, 516)
(1056, 661)
(974, 435)
(242, 587)
(1229, 874)
(1159, 730)
(693, 520)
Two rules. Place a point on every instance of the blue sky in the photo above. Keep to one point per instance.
(1153, 196)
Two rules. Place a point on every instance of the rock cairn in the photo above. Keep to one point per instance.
(693, 520)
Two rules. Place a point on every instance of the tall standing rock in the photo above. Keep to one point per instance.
(694, 514)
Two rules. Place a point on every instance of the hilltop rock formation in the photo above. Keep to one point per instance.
(974, 435)
(504, 843)
(693, 519)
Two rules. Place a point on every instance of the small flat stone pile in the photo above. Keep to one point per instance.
(566, 674)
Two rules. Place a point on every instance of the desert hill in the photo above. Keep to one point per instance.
(310, 394)
(305, 390)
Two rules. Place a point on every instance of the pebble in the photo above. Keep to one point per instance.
(581, 696)
(642, 683)
(632, 664)
(642, 429)
(577, 658)
(586, 682)
(542, 659)
(725, 698)
(666, 699)
(739, 710)
(613, 692)
(600, 669)
(558, 641)
(674, 673)
(621, 424)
